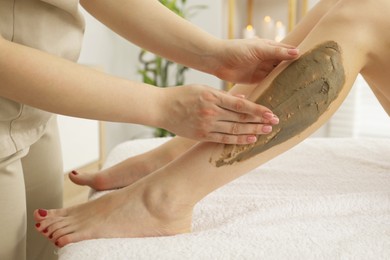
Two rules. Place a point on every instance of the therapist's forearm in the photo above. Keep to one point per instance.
(152, 26)
(56, 85)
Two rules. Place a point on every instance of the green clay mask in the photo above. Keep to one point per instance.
(299, 95)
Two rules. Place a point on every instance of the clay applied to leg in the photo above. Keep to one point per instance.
(299, 95)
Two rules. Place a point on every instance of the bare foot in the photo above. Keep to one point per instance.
(139, 210)
(117, 176)
(134, 168)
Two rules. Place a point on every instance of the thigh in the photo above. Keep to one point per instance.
(43, 176)
(13, 208)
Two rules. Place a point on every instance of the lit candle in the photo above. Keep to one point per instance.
(249, 32)
(267, 28)
(280, 31)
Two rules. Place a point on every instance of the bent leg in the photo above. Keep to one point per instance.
(303, 28)
(134, 168)
(137, 167)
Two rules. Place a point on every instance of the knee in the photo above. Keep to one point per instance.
(345, 12)
(354, 17)
(354, 13)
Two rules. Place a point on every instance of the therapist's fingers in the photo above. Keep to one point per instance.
(206, 114)
(239, 109)
(235, 128)
(278, 51)
(231, 139)
(240, 120)
(267, 117)
(281, 44)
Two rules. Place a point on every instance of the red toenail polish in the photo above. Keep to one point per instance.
(74, 173)
(38, 225)
(56, 243)
(42, 212)
(45, 230)
(51, 236)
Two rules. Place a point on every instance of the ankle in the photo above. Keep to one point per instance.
(165, 204)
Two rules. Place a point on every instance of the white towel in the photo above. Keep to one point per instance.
(323, 199)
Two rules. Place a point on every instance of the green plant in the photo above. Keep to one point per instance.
(159, 71)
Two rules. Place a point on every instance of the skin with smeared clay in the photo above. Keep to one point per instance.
(298, 96)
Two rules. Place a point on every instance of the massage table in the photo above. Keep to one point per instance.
(326, 198)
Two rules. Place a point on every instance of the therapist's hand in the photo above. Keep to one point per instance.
(248, 60)
(206, 114)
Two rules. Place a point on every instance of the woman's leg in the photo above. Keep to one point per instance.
(137, 167)
(134, 168)
(305, 93)
(43, 175)
(303, 28)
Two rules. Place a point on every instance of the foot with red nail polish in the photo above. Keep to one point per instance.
(42, 212)
(139, 210)
(105, 179)
(124, 173)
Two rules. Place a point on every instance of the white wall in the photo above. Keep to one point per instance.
(79, 142)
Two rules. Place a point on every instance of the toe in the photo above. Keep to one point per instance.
(79, 179)
(47, 226)
(69, 238)
(61, 229)
(40, 214)
(96, 181)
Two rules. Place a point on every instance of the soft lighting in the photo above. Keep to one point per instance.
(267, 19)
(267, 28)
(249, 32)
(280, 31)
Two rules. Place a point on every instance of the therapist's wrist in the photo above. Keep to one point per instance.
(210, 57)
(215, 62)
(161, 108)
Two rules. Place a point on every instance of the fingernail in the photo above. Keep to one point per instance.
(42, 212)
(274, 120)
(267, 129)
(38, 225)
(269, 115)
(74, 173)
(251, 139)
(293, 51)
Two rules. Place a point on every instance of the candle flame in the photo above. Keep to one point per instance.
(267, 19)
(249, 27)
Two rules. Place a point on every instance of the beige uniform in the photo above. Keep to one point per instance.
(30, 157)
